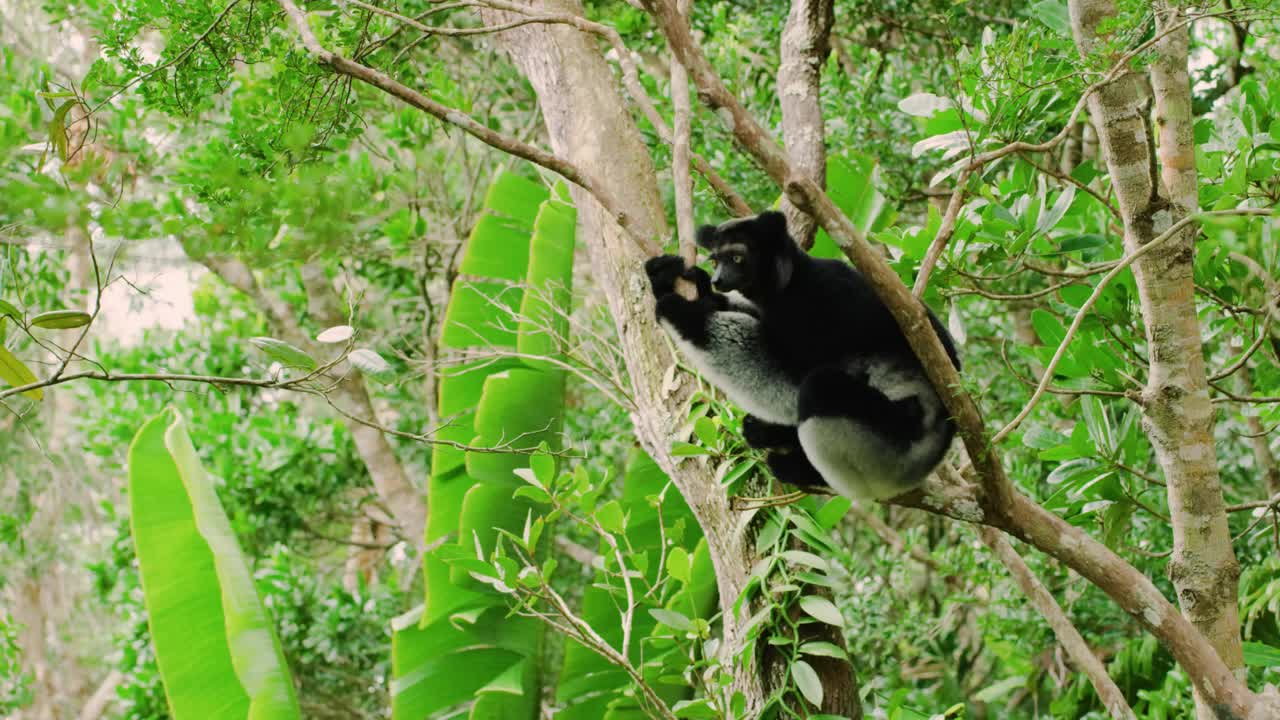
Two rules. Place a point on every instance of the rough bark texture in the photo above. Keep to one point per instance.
(588, 124)
(1178, 413)
(1068, 636)
(804, 49)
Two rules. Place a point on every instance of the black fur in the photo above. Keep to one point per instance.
(821, 331)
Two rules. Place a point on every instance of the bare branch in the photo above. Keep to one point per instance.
(455, 117)
(1068, 636)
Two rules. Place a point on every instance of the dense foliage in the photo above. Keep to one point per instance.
(207, 200)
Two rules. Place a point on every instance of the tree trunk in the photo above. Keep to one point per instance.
(1178, 413)
(804, 50)
(588, 124)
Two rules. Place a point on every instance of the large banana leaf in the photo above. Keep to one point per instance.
(517, 272)
(851, 183)
(217, 650)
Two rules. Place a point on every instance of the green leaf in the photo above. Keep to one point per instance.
(611, 517)
(510, 681)
(831, 513)
(671, 619)
(17, 374)
(284, 353)
(371, 363)
(821, 609)
(824, 649)
(801, 557)
(807, 680)
(214, 641)
(544, 468)
(705, 428)
(1258, 654)
(697, 708)
(1048, 328)
(1081, 242)
(7, 308)
(58, 128)
(684, 449)
(1050, 220)
(534, 494)
(61, 319)
(679, 564)
(1053, 13)
(1000, 689)
(768, 535)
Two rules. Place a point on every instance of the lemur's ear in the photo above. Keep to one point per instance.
(772, 229)
(772, 224)
(707, 237)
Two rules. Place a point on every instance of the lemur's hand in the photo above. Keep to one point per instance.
(664, 269)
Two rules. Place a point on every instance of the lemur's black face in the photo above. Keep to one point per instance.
(749, 254)
(736, 268)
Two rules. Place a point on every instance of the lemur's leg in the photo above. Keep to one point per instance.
(765, 435)
(793, 467)
(785, 457)
(862, 442)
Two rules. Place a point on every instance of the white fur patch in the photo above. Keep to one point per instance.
(736, 363)
(855, 460)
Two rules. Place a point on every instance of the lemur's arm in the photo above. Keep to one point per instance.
(721, 337)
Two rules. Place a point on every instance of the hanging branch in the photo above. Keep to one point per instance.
(681, 130)
(466, 123)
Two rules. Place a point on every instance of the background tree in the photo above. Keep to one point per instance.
(1080, 188)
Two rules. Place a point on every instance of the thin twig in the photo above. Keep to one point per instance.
(466, 123)
(1093, 299)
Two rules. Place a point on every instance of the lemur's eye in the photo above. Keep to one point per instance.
(737, 259)
(714, 261)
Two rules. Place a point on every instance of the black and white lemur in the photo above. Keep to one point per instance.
(831, 386)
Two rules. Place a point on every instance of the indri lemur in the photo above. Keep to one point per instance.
(831, 386)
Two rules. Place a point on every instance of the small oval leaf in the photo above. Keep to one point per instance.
(336, 334)
(371, 363)
(284, 353)
(61, 319)
(16, 374)
(824, 649)
(671, 619)
(807, 680)
(611, 517)
(820, 608)
(679, 566)
(7, 308)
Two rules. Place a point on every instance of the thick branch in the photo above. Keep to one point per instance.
(804, 50)
(1068, 636)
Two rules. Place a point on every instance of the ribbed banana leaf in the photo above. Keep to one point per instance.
(217, 650)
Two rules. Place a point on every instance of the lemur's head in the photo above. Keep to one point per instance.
(752, 255)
